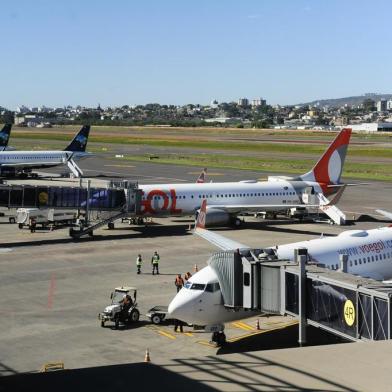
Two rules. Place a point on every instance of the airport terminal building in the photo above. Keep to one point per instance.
(372, 127)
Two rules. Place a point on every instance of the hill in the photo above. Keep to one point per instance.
(355, 100)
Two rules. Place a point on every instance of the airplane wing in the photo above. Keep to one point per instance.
(216, 239)
(385, 213)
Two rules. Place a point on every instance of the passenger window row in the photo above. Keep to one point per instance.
(364, 260)
(261, 194)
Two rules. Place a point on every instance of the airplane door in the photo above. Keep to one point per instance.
(309, 195)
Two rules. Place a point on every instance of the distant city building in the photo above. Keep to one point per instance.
(243, 102)
(22, 109)
(382, 105)
(258, 102)
(223, 120)
(389, 104)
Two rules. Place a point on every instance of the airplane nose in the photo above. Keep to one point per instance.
(181, 308)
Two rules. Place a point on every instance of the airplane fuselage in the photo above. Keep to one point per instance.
(37, 159)
(186, 199)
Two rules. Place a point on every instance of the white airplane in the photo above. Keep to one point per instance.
(200, 301)
(226, 200)
(23, 162)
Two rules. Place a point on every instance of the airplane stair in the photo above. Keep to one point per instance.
(75, 234)
(332, 211)
(74, 168)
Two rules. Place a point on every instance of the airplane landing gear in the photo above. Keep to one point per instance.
(219, 338)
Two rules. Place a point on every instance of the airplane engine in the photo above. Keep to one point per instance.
(215, 217)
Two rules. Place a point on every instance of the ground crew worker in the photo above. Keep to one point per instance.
(33, 224)
(187, 276)
(155, 263)
(179, 282)
(178, 323)
(139, 263)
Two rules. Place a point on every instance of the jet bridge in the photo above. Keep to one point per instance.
(97, 206)
(349, 306)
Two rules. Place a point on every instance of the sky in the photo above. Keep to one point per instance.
(119, 52)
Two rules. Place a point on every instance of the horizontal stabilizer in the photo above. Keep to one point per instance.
(385, 213)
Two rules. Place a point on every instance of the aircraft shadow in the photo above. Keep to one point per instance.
(149, 232)
(281, 230)
(279, 339)
(115, 378)
(127, 327)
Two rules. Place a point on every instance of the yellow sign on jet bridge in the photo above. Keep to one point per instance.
(43, 198)
(349, 313)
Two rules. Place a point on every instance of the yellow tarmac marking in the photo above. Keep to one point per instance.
(168, 335)
(241, 325)
(237, 338)
(205, 343)
(190, 334)
(119, 166)
(254, 332)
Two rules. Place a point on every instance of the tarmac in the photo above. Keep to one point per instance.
(52, 289)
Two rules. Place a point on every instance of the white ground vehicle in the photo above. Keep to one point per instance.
(123, 308)
(45, 217)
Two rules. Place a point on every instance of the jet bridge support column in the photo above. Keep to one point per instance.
(301, 256)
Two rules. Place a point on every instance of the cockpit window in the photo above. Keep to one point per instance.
(212, 287)
(198, 286)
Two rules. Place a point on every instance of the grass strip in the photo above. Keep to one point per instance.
(360, 171)
(377, 152)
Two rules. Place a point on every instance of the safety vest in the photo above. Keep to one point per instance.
(139, 261)
(155, 259)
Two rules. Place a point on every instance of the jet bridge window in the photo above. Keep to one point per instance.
(246, 278)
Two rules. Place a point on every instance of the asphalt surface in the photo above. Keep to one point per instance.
(52, 288)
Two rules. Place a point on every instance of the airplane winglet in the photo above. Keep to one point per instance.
(201, 217)
(202, 178)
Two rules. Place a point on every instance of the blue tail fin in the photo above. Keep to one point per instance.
(4, 136)
(79, 142)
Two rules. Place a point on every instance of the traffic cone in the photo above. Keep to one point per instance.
(147, 356)
(257, 324)
(195, 269)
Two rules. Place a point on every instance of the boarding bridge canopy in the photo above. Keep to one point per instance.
(28, 196)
